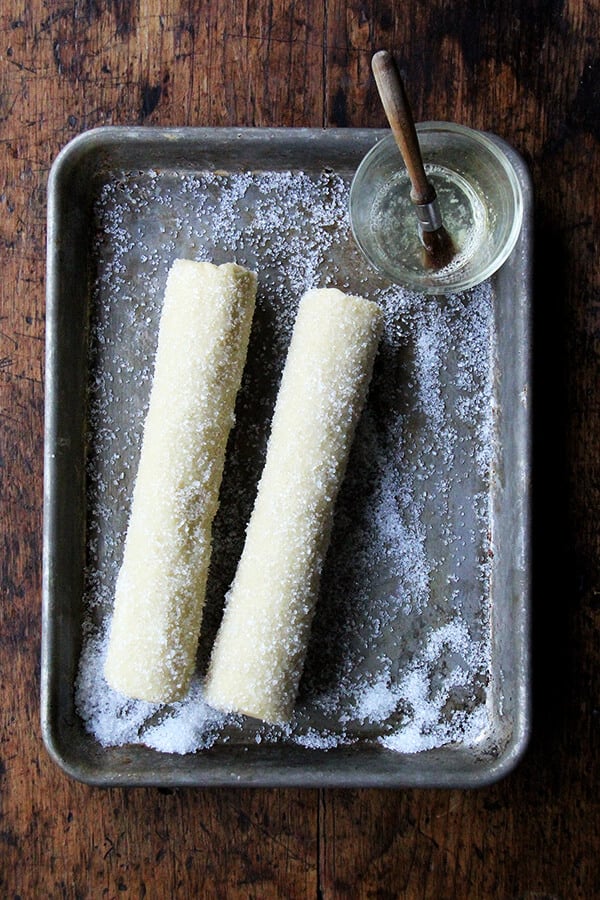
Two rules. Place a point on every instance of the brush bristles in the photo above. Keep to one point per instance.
(439, 248)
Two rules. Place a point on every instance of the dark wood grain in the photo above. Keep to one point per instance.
(526, 69)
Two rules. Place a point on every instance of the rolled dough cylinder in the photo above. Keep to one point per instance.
(259, 651)
(202, 345)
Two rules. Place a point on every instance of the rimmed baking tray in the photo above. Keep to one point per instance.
(436, 616)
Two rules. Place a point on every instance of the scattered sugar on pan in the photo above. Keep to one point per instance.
(409, 555)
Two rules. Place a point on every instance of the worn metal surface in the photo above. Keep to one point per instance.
(73, 266)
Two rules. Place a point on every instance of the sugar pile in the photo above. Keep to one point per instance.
(400, 652)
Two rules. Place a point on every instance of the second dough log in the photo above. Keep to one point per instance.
(260, 648)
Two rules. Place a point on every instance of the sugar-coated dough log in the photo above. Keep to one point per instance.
(259, 652)
(202, 345)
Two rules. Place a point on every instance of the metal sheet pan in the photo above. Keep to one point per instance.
(86, 279)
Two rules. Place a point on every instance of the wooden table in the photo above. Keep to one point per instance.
(529, 71)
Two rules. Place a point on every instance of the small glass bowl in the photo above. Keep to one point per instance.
(479, 196)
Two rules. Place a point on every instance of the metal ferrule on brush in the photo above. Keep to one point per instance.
(429, 215)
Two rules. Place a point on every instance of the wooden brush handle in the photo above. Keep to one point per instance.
(399, 115)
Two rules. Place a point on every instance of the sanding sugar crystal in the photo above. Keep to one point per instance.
(400, 651)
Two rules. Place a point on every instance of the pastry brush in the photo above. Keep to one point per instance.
(437, 243)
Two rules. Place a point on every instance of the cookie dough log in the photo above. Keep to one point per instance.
(259, 651)
(202, 345)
